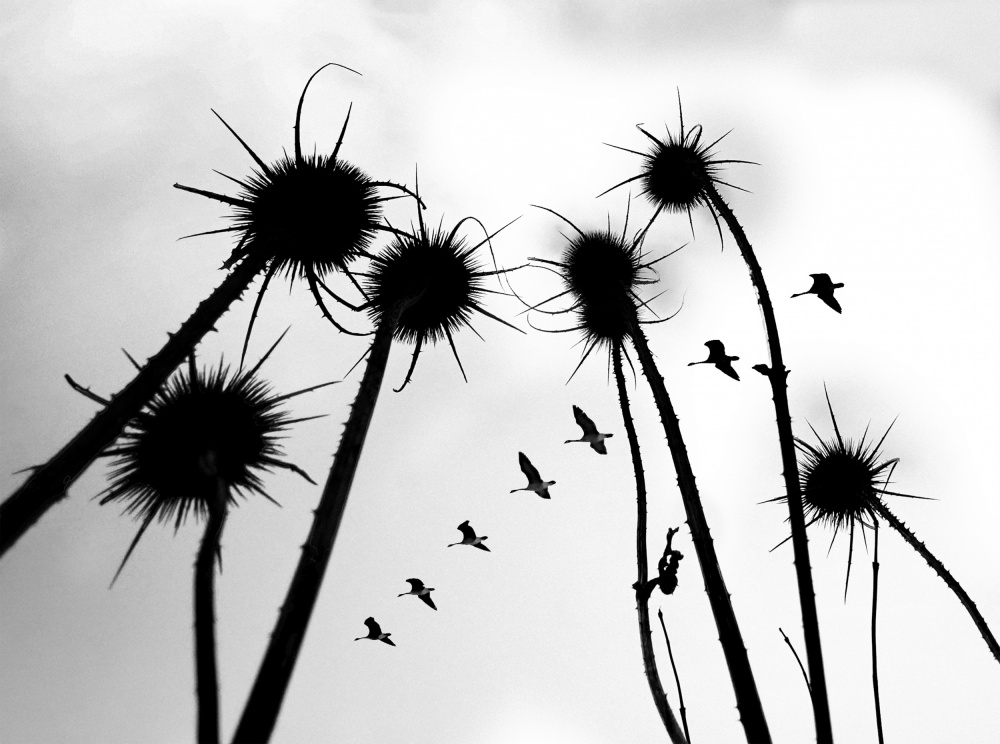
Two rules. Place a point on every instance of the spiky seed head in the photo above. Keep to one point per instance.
(676, 172)
(603, 272)
(436, 273)
(842, 480)
(161, 467)
(313, 216)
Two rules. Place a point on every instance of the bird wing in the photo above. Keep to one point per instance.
(467, 532)
(728, 369)
(528, 469)
(715, 347)
(584, 421)
(373, 627)
(830, 300)
(428, 601)
(599, 447)
(415, 584)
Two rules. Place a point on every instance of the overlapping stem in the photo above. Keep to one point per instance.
(207, 678)
(744, 685)
(875, 693)
(49, 482)
(642, 558)
(970, 606)
(264, 704)
(790, 472)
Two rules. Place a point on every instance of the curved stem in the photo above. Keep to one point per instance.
(677, 679)
(744, 685)
(264, 703)
(207, 679)
(790, 472)
(49, 482)
(883, 511)
(642, 596)
(878, 699)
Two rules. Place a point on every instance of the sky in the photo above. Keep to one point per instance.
(876, 127)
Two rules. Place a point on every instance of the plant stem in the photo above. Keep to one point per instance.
(677, 679)
(642, 596)
(878, 700)
(206, 674)
(883, 511)
(264, 704)
(747, 697)
(790, 472)
(49, 482)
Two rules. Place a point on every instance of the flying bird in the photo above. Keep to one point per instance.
(717, 356)
(535, 482)
(469, 537)
(590, 434)
(418, 589)
(375, 633)
(823, 288)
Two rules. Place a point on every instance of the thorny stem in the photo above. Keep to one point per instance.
(642, 597)
(790, 472)
(260, 714)
(970, 606)
(677, 679)
(878, 700)
(744, 685)
(207, 678)
(49, 482)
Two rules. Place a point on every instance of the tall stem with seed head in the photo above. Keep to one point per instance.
(49, 482)
(744, 685)
(642, 558)
(260, 715)
(790, 472)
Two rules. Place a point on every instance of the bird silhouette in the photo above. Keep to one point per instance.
(717, 356)
(469, 537)
(418, 589)
(823, 288)
(535, 482)
(375, 633)
(590, 434)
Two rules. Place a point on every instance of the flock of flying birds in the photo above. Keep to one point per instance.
(536, 484)
(822, 287)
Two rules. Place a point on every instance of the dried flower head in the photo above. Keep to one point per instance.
(843, 481)
(201, 428)
(308, 215)
(602, 273)
(678, 174)
(434, 277)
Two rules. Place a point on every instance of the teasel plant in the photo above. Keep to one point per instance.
(203, 439)
(307, 216)
(602, 274)
(423, 287)
(679, 174)
(844, 482)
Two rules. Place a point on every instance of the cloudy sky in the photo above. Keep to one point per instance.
(877, 129)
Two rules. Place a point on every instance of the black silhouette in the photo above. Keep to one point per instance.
(590, 434)
(418, 589)
(375, 633)
(535, 482)
(717, 356)
(469, 537)
(823, 287)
